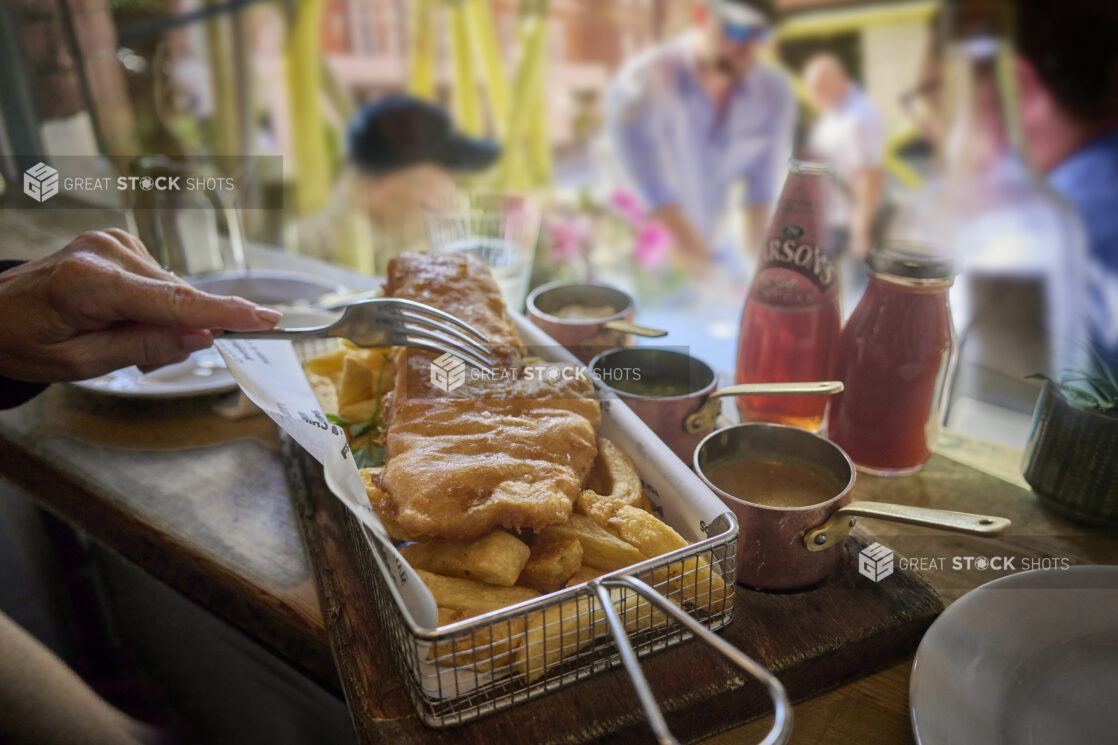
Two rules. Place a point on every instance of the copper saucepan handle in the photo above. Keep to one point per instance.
(631, 328)
(706, 415)
(836, 529)
(812, 387)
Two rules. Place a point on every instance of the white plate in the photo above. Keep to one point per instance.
(1028, 659)
(266, 287)
(204, 373)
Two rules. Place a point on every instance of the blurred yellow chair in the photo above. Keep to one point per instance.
(516, 104)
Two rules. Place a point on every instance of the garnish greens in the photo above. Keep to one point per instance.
(369, 454)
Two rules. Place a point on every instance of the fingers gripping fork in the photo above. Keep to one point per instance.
(782, 709)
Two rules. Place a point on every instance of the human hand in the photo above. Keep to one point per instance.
(102, 303)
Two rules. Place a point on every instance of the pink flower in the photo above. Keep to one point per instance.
(652, 245)
(628, 205)
(567, 238)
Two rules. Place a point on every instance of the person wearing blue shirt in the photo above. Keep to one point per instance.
(1067, 74)
(692, 118)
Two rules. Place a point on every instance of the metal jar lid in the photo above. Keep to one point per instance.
(912, 260)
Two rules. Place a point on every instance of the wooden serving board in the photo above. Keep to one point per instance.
(813, 640)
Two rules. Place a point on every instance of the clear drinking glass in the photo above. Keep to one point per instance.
(500, 229)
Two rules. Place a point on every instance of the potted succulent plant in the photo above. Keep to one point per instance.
(1071, 460)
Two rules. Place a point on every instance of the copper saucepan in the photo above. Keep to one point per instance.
(783, 548)
(602, 317)
(677, 395)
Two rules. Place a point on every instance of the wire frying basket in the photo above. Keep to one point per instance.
(487, 663)
(481, 665)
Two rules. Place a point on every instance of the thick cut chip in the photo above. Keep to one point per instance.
(552, 562)
(486, 649)
(349, 381)
(639, 614)
(356, 383)
(557, 633)
(496, 558)
(697, 582)
(359, 412)
(328, 365)
(561, 632)
(585, 573)
(600, 548)
(470, 597)
(640, 529)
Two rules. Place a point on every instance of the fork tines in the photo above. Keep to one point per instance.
(439, 331)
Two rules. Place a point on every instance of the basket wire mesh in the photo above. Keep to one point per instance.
(467, 669)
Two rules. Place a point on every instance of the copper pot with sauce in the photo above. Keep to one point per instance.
(677, 395)
(664, 387)
(791, 492)
(586, 318)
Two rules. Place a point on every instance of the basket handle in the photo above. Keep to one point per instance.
(782, 709)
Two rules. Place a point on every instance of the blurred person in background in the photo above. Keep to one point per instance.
(851, 137)
(1067, 75)
(692, 118)
(405, 152)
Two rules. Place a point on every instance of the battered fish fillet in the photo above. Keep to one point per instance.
(512, 450)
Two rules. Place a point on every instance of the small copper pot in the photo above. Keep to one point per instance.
(586, 337)
(784, 548)
(683, 420)
(665, 415)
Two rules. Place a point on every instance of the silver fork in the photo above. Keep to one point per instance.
(393, 322)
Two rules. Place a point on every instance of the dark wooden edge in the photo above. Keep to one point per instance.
(197, 577)
(358, 647)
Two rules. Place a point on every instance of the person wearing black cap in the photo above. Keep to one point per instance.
(692, 118)
(403, 152)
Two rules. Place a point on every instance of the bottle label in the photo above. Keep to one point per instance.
(796, 268)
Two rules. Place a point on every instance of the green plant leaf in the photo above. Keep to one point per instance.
(372, 425)
(1101, 364)
(369, 456)
(340, 421)
(1079, 397)
(1084, 389)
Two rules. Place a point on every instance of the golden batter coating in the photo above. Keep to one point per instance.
(512, 449)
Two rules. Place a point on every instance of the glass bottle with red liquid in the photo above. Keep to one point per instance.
(894, 361)
(790, 324)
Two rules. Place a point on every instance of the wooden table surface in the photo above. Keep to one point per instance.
(201, 503)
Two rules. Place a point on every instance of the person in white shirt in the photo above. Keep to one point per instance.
(850, 136)
(693, 117)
